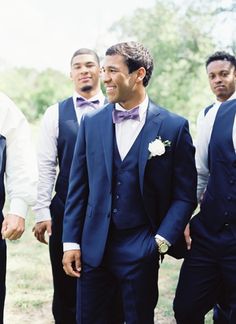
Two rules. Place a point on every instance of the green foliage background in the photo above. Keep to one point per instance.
(179, 34)
(34, 91)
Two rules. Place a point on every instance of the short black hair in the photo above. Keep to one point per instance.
(136, 56)
(82, 51)
(221, 56)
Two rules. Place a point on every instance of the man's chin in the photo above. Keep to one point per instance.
(86, 88)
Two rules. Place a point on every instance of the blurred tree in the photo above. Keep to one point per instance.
(34, 91)
(180, 38)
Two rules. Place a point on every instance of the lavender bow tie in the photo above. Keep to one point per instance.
(118, 116)
(81, 102)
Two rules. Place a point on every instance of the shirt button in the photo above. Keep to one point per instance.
(114, 210)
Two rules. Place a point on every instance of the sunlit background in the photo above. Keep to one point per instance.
(44, 33)
(38, 38)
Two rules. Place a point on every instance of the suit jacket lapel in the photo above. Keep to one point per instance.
(149, 134)
(107, 134)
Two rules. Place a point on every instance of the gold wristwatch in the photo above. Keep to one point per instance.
(162, 246)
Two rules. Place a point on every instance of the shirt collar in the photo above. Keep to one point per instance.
(99, 96)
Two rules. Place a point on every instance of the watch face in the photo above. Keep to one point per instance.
(163, 247)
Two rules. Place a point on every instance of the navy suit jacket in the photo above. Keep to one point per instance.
(167, 182)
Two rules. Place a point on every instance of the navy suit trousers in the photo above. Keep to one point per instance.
(129, 269)
(209, 266)
(2, 277)
(64, 297)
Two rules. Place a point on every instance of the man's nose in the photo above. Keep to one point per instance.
(105, 77)
(218, 79)
(84, 69)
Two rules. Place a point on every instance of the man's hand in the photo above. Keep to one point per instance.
(40, 228)
(72, 263)
(187, 236)
(13, 227)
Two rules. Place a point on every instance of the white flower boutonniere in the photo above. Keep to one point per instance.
(157, 147)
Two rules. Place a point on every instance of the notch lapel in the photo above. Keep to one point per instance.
(150, 133)
(107, 134)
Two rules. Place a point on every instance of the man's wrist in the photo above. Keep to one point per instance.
(68, 246)
(162, 245)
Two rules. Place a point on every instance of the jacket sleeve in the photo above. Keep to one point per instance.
(76, 203)
(184, 185)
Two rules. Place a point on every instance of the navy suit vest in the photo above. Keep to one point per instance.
(219, 202)
(68, 129)
(2, 171)
(127, 202)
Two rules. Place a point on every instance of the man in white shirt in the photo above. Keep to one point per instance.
(131, 193)
(213, 229)
(18, 171)
(58, 133)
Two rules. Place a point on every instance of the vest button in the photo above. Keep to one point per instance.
(118, 183)
(117, 196)
(231, 181)
(229, 198)
(114, 210)
(226, 213)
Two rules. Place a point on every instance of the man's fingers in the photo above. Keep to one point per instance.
(40, 229)
(187, 236)
(71, 263)
(12, 234)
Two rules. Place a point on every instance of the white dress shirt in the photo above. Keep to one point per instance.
(21, 166)
(204, 130)
(48, 154)
(128, 130)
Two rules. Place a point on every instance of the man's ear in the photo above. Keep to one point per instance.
(141, 72)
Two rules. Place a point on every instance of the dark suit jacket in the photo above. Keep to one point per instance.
(167, 182)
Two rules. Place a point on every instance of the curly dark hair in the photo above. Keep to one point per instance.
(136, 56)
(221, 56)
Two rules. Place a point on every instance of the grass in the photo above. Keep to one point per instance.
(29, 283)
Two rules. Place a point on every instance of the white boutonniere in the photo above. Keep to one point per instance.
(158, 147)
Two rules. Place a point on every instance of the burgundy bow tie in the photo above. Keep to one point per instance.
(81, 102)
(118, 116)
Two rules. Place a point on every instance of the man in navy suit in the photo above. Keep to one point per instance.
(208, 272)
(132, 190)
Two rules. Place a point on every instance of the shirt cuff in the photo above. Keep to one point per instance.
(162, 238)
(42, 214)
(70, 246)
(18, 207)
